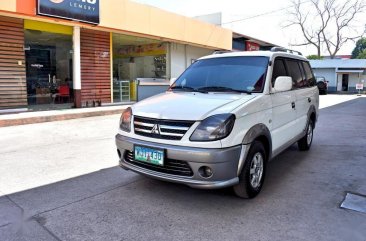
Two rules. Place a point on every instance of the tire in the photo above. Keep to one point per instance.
(305, 142)
(250, 184)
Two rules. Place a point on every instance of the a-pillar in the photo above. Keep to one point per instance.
(76, 67)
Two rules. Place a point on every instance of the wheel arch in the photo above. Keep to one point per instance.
(261, 133)
(312, 115)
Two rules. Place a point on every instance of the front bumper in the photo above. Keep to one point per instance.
(223, 162)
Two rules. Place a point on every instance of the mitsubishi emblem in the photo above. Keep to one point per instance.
(156, 129)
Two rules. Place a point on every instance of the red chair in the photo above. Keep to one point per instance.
(63, 92)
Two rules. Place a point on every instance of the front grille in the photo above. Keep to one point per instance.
(174, 167)
(161, 129)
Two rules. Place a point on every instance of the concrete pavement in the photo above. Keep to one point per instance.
(24, 118)
(59, 181)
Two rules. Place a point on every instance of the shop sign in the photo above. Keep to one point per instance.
(250, 46)
(80, 10)
(359, 86)
(141, 50)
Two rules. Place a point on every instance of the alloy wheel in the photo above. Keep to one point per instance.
(256, 170)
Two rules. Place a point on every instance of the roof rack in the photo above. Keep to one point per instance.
(222, 51)
(281, 49)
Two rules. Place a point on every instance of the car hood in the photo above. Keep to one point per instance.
(188, 105)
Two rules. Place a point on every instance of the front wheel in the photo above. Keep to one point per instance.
(304, 143)
(252, 176)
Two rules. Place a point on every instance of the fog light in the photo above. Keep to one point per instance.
(205, 171)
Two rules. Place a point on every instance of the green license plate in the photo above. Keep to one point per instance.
(149, 155)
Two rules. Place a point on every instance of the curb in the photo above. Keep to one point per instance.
(60, 117)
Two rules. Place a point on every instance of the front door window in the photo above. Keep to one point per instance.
(48, 69)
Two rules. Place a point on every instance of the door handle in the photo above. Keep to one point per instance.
(309, 99)
(293, 105)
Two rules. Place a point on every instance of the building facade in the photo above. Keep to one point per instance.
(91, 52)
(241, 42)
(342, 74)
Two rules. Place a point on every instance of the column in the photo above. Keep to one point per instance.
(76, 67)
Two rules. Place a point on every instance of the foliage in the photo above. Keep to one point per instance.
(359, 52)
(362, 55)
(314, 56)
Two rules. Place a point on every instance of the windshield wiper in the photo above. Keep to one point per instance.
(186, 88)
(223, 89)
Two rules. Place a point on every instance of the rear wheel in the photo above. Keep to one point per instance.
(304, 143)
(252, 176)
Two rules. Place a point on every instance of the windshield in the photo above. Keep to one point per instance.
(225, 74)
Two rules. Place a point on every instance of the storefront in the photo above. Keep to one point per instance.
(243, 42)
(136, 62)
(48, 62)
(84, 53)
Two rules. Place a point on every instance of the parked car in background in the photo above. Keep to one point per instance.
(222, 120)
(322, 84)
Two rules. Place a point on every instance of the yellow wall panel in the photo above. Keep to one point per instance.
(8, 5)
(143, 19)
(146, 20)
(167, 24)
(111, 13)
(137, 18)
(47, 27)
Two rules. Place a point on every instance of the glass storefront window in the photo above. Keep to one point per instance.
(136, 60)
(48, 68)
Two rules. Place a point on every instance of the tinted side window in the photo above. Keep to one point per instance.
(279, 69)
(305, 82)
(295, 72)
(309, 74)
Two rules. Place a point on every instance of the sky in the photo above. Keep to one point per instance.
(269, 26)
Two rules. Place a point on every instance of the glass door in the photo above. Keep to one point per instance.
(48, 69)
(39, 70)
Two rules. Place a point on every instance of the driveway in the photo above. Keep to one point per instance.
(59, 181)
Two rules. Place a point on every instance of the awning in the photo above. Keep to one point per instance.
(350, 71)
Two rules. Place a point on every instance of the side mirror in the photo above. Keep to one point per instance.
(172, 80)
(283, 83)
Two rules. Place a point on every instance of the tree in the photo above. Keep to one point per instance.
(359, 52)
(362, 55)
(326, 23)
(314, 56)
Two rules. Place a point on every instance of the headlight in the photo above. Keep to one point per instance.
(214, 128)
(125, 120)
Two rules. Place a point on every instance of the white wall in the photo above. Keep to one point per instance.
(177, 59)
(329, 75)
(143, 67)
(355, 79)
(194, 53)
(181, 56)
(213, 18)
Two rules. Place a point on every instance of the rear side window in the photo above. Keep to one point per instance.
(279, 69)
(295, 72)
(304, 82)
(309, 74)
